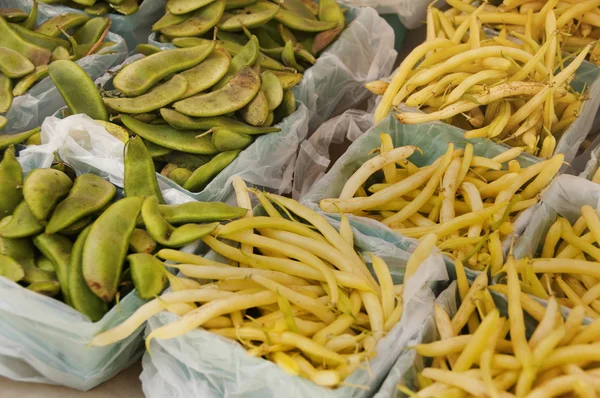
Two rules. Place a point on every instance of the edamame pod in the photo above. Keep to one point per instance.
(11, 180)
(288, 80)
(29, 23)
(3, 122)
(140, 176)
(298, 7)
(156, 151)
(47, 288)
(147, 49)
(139, 76)
(204, 174)
(11, 269)
(182, 122)
(186, 160)
(22, 224)
(57, 249)
(180, 175)
(156, 98)
(13, 14)
(271, 86)
(90, 193)
(52, 27)
(34, 274)
(207, 73)
(43, 263)
(61, 53)
(77, 89)
(257, 14)
(289, 57)
(106, 247)
(236, 94)
(232, 4)
(115, 130)
(29, 80)
(257, 111)
(226, 140)
(182, 42)
(148, 275)
(43, 189)
(7, 140)
(246, 57)
(6, 95)
(48, 42)
(270, 119)
(287, 107)
(198, 212)
(125, 7)
(141, 242)
(91, 31)
(202, 20)
(11, 39)
(179, 7)
(77, 226)
(168, 137)
(297, 22)
(170, 19)
(82, 298)
(167, 235)
(13, 64)
(100, 8)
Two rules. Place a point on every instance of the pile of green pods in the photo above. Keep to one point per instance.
(27, 50)
(290, 32)
(74, 239)
(98, 7)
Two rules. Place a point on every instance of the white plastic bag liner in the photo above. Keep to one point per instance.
(586, 164)
(432, 138)
(201, 364)
(363, 52)
(43, 340)
(133, 28)
(268, 163)
(412, 13)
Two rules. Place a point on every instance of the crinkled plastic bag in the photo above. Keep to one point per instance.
(363, 52)
(268, 163)
(43, 340)
(201, 364)
(29, 110)
(133, 28)
(412, 13)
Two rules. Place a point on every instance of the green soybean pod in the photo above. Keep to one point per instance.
(147, 49)
(52, 27)
(204, 174)
(25, 83)
(6, 95)
(198, 212)
(48, 42)
(106, 247)
(139, 76)
(91, 31)
(256, 112)
(29, 23)
(11, 181)
(207, 73)
(159, 96)
(77, 89)
(226, 140)
(11, 269)
(43, 189)
(90, 193)
(180, 121)
(47, 288)
(288, 80)
(288, 56)
(58, 249)
(7, 140)
(167, 235)
(141, 242)
(82, 298)
(11, 39)
(180, 175)
(99, 8)
(148, 275)
(3, 122)
(13, 64)
(179, 7)
(34, 274)
(22, 224)
(202, 20)
(140, 174)
(168, 137)
(170, 19)
(297, 22)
